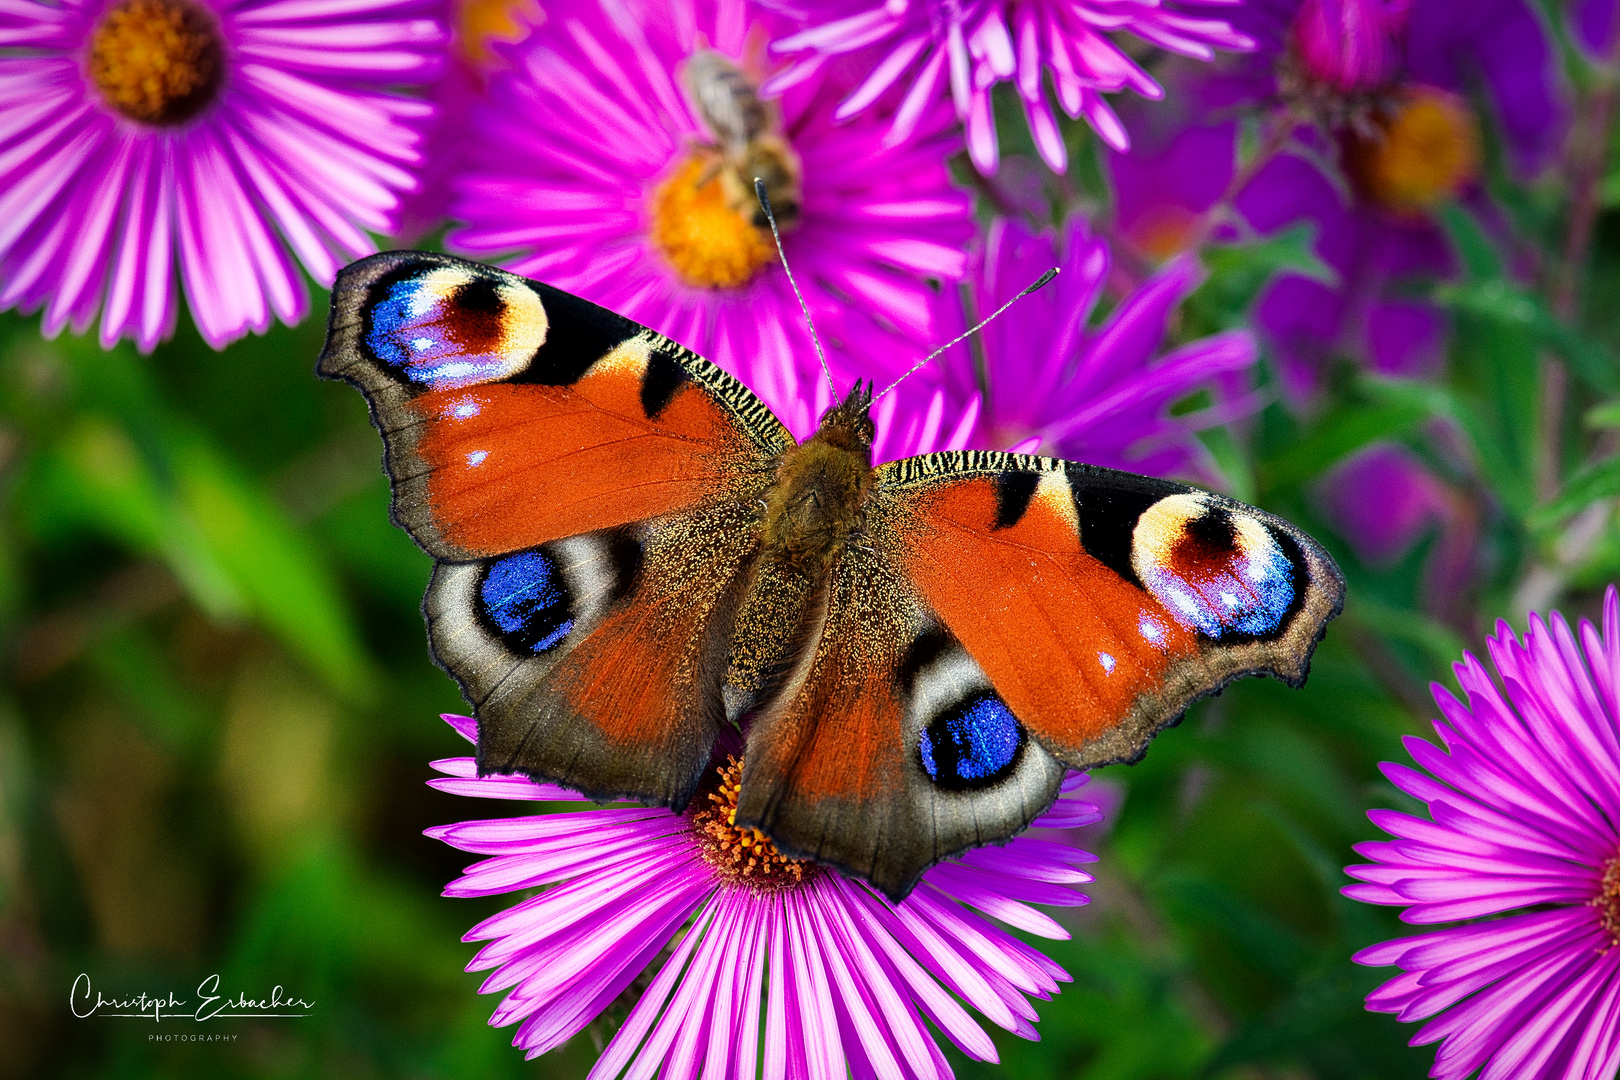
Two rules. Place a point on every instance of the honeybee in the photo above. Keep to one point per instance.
(747, 142)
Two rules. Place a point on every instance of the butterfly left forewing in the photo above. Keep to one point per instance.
(513, 413)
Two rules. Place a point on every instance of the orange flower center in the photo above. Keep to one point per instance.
(157, 61)
(744, 856)
(1165, 231)
(704, 229)
(484, 22)
(1607, 901)
(1419, 156)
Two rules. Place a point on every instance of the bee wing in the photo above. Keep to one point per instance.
(725, 100)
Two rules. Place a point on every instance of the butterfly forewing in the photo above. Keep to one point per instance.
(1102, 603)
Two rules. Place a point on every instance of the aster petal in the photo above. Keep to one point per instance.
(1522, 814)
(234, 268)
(622, 1047)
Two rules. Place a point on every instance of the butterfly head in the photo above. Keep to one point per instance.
(848, 425)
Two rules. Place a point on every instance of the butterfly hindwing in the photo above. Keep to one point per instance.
(887, 748)
(597, 660)
(587, 487)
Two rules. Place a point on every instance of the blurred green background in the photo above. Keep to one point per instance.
(219, 709)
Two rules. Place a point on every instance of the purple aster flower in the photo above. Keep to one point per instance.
(703, 931)
(221, 133)
(592, 162)
(975, 44)
(1369, 311)
(1383, 500)
(1524, 833)
(1096, 394)
(1340, 58)
(1391, 137)
(1594, 25)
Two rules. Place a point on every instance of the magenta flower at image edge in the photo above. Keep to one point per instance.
(1524, 805)
(880, 223)
(853, 979)
(928, 45)
(267, 125)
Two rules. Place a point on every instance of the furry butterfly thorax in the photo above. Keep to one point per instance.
(636, 565)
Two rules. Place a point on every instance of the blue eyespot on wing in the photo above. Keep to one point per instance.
(450, 326)
(972, 744)
(1218, 570)
(525, 600)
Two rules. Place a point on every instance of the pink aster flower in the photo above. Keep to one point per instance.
(723, 931)
(1349, 46)
(974, 44)
(1523, 832)
(1054, 385)
(232, 135)
(592, 167)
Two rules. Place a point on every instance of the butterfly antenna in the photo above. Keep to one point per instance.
(770, 216)
(982, 323)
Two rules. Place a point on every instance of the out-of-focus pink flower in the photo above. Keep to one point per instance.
(216, 134)
(971, 45)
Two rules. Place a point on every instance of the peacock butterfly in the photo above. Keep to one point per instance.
(634, 556)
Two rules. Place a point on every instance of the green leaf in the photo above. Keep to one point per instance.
(1338, 435)
(271, 562)
(160, 488)
(96, 479)
(1440, 644)
(1481, 262)
(1500, 302)
(1599, 480)
(1606, 415)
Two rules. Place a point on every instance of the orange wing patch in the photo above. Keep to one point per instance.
(1068, 644)
(514, 465)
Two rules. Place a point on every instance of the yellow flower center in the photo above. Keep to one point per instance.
(1607, 901)
(157, 61)
(1419, 156)
(1165, 231)
(483, 22)
(744, 856)
(704, 230)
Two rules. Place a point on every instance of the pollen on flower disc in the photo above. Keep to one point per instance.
(1419, 157)
(157, 61)
(1607, 901)
(702, 236)
(742, 856)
